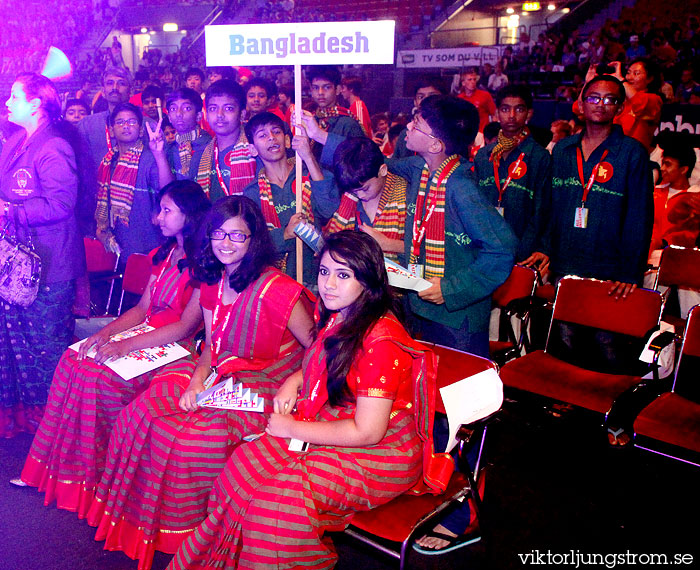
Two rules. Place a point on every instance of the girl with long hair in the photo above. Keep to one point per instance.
(67, 456)
(165, 451)
(348, 433)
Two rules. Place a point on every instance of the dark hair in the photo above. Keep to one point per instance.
(653, 72)
(681, 151)
(288, 90)
(188, 95)
(225, 72)
(327, 72)
(354, 84)
(454, 121)
(492, 129)
(601, 78)
(37, 86)
(153, 91)
(362, 254)
(261, 251)
(471, 70)
(74, 102)
(432, 81)
(395, 131)
(117, 72)
(194, 71)
(269, 88)
(226, 88)
(513, 90)
(119, 107)
(194, 204)
(379, 117)
(356, 160)
(262, 119)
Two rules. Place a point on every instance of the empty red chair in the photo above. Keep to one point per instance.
(136, 275)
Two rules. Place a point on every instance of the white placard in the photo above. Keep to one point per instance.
(448, 57)
(402, 278)
(307, 43)
(471, 399)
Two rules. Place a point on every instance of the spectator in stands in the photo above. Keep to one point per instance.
(380, 127)
(260, 94)
(601, 204)
(481, 99)
(76, 111)
(332, 118)
(636, 50)
(169, 131)
(497, 80)
(217, 73)
(426, 87)
(641, 114)
(560, 130)
(350, 89)
(491, 132)
(185, 112)
(128, 184)
(514, 175)
(152, 100)
(194, 79)
(224, 166)
(686, 86)
(285, 99)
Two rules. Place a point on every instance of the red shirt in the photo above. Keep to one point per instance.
(483, 102)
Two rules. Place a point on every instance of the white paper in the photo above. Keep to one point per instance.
(470, 399)
(140, 361)
(402, 278)
(229, 396)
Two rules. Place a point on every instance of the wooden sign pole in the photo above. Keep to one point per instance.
(298, 166)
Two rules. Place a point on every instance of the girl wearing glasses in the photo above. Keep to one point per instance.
(165, 451)
(355, 413)
(128, 183)
(68, 453)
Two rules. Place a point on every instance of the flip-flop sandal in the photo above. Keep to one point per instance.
(17, 482)
(455, 542)
(615, 441)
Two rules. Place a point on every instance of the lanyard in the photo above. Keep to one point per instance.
(154, 288)
(502, 190)
(220, 176)
(215, 322)
(587, 186)
(419, 229)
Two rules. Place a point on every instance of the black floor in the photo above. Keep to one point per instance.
(554, 488)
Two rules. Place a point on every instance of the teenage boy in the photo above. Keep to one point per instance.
(194, 79)
(350, 89)
(514, 173)
(332, 118)
(224, 166)
(260, 94)
(150, 98)
(184, 107)
(274, 190)
(602, 206)
(373, 199)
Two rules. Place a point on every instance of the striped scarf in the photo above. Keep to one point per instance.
(435, 228)
(239, 160)
(390, 218)
(335, 111)
(267, 204)
(115, 192)
(506, 144)
(185, 150)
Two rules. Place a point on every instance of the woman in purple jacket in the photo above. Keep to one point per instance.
(38, 189)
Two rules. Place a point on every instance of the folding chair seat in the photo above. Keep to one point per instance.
(679, 268)
(136, 275)
(514, 299)
(392, 528)
(593, 346)
(671, 423)
(101, 266)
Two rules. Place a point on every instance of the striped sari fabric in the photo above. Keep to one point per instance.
(162, 461)
(270, 507)
(67, 456)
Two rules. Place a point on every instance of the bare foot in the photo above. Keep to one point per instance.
(433, 541)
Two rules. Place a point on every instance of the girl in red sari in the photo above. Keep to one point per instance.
(360, 423)
(67, 455)
(166, 452)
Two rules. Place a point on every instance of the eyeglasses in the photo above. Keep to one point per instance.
(597, 99)
(235, 236)
(415, 128)
(122, 122)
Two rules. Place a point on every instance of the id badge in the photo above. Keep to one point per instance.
(209, 382)
(298, 445)
(581, 218)
(499, 209)
(416, 269)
